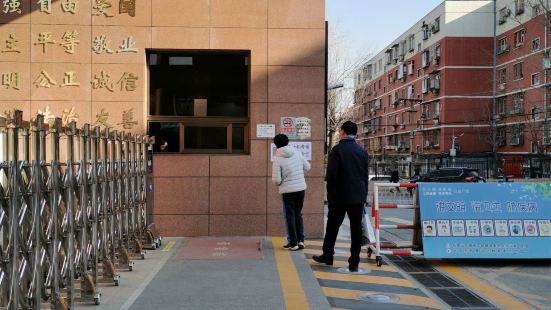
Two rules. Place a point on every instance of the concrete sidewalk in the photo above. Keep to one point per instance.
(166, 281)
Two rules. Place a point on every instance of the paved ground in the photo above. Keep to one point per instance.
(176, 277)
(164, 280)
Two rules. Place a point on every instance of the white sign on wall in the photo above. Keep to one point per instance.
(296, 128)
(305, 148)
(265, 130)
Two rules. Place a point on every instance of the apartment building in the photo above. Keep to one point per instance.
(522, 97)
(431, 89)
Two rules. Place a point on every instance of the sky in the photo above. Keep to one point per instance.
(369, 25)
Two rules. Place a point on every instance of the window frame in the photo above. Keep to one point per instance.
(538, 44)
(518, 38)
(518, 71)
(537, 74)
(207, 121)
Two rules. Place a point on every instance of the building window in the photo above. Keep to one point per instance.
(519, 7)
(419, 72)
(431, 138)
(502, 76)
(519, 37)
(535, 113)
(425, 30)
(435, 27)
(517, 71)
(536, 10)
(501, 105)
(518, 103)
(535, 44)
(199, 101)
(516, 136)
(425, 86)
(425, 59)
(411, 67)
(503, 14)
(411, 43)
(502, 46)
(535, 79)
(501, 136)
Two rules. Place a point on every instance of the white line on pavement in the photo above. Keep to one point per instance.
(146, 281)
(397, 220)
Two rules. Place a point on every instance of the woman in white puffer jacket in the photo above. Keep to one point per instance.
(288, 174)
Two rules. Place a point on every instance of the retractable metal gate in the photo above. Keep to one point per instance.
(73, 210)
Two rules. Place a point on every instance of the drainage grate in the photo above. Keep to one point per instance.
(434, 280)
(448, 290)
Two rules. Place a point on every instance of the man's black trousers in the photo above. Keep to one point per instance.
(335, 218)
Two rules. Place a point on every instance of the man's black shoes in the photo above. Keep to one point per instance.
(323, 260)
(352, 268)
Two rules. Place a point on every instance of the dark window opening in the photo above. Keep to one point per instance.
(199, 101)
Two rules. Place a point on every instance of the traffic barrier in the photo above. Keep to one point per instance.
(392, 248)
(73, 208)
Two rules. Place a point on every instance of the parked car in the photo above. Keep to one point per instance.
(451, 175)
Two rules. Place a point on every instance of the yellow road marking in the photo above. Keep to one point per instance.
(320, 243)
(502, 299)
(318, 252)
(168, 246)
(362, 265)
(363, 279)
(291, 287)
(409, 300)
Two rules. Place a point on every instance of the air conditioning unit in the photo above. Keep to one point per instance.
(423, 116)
(427, 143)
(546, 141)
(497, 117)
(403, 126)
(514, 140)
(502, 86)
(436, 122)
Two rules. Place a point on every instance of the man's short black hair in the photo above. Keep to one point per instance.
(349, 128)
(281, 140)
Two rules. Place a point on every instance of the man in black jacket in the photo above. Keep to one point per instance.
(347, 177)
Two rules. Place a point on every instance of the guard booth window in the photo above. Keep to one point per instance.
(199, 101)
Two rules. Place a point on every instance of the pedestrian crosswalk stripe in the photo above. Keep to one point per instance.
(339, 264)
(407, 300)
(363, 279)
(345, 255)
(343, 290)
(345, 245)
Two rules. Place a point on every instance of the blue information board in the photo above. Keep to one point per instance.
(486, 220)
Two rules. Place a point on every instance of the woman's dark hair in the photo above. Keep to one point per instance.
(349, 128)
(281, 140)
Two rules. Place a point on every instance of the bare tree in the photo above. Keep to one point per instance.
(340, 96)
